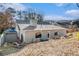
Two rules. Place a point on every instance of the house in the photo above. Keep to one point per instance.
(32, 33)
(42, 32)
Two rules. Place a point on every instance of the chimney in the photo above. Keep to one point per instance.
(33, 19)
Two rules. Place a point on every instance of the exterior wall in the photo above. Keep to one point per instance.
(10, 36)
(19, 29)
(60, 33)
(29, 36)
(44, 35)
(2, 40)
(33, 22)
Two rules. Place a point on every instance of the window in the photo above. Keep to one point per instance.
(56, 33)
(48, 35)
(38, 35)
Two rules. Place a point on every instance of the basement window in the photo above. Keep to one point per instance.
(56, 33)
(38, 35)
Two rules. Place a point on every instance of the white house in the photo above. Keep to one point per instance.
(40, 32)
(33, 32)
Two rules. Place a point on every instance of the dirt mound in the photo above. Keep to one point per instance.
(61, 47)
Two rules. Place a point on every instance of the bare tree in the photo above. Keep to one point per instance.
(35, 16)
(6, 19)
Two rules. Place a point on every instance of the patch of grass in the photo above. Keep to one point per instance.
(7, 50)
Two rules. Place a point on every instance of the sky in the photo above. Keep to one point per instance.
(51, 11)
(57, 11)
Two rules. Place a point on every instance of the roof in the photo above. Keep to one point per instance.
(22, 26)
(30, 27)
(22, 21)
(43, 27)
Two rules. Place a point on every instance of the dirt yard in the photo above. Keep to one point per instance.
(60, 47)
(7, 50)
